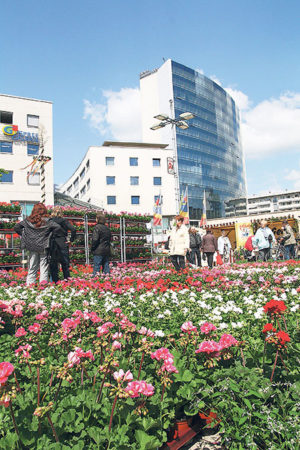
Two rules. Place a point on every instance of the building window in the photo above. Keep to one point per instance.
(135, 199)
(156, 162)
(33, 179)
(69, 189)
(156, 197)
(32, 149)
(82, 191)
(82, 173)
(87, 165)
(32, 121)
(5, 147)
(157, 181)
(134, 161)
(7, 177)
(111, 199)
(110, 180)
(88, 184)
(134, 181)
(76, 196)
(76, 182)
(110, 160)
(6, 117)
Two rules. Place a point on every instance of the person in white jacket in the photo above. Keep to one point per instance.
(224, 246)
(179, 243)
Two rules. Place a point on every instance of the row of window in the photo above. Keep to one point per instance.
(133, 161)
(7, 117)
(7, 147)
(135, 199)
(33, 180)
(134, 181)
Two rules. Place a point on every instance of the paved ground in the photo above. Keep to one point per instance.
(208, 440)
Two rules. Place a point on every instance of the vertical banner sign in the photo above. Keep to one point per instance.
(242, 232)
(170, 165)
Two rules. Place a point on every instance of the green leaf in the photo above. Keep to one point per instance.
(146, 441)
(247, 403)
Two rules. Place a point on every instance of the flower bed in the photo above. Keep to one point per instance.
(113, 362)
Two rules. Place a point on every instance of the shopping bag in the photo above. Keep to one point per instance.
(219, 260)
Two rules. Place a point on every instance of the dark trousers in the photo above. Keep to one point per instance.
(60, 255)
(178, 262)
(210, 259)
(264, 254)
(195, 256)
(99, 261)
(289, 251)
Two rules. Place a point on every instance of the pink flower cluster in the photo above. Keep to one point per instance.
(207, 328)
(25, 349)
(146, 332)
(212, 349)
(168, 359)
(123, 376)
(104, 329)
(6, 369)
(137, 388)
(35, 328)
(188, 327)
(75, 357)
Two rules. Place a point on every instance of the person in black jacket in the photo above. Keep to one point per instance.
(60, 249)
(35, 233)
(101, 245)
(195, 244)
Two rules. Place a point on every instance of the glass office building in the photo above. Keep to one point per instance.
(209, 152)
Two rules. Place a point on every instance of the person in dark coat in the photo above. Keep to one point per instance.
(35, 233)
(209, 247)
(60, 248)
(195, 244)
(101, 239)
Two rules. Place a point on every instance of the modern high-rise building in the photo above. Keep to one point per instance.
(209, 152)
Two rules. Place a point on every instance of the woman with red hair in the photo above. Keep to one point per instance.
(35, 233)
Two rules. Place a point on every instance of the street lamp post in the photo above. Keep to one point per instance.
(179, 122)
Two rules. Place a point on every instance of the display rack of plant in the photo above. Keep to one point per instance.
(9, 243)
(12, 209)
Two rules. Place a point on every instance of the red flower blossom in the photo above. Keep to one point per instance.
(274, 307)
(283, 337)
(268, 328)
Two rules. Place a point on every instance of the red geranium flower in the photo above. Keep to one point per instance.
(268, 327)
(283, 337)
(274, 307)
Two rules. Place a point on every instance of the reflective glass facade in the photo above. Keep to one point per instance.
(209, 152)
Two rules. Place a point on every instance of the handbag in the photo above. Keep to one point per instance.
(219, 260)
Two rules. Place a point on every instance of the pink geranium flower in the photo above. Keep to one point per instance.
(227, 341)
(136, 388)
(6, 369)
(35, 328)
(188, 327)
(210, 348)
(207, 328)
(20, 332)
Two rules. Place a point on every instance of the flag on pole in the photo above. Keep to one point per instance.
(157, 216)
(203, 218)
(184, 210)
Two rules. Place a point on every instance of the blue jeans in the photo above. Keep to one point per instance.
(99, 261)
(289, 251)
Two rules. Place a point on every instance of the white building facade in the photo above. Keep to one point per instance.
(124, 176)
(24, 123)
(262, 204)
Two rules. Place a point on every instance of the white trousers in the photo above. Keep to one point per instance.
(37, 261)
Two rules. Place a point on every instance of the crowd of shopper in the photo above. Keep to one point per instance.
(46, 240)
